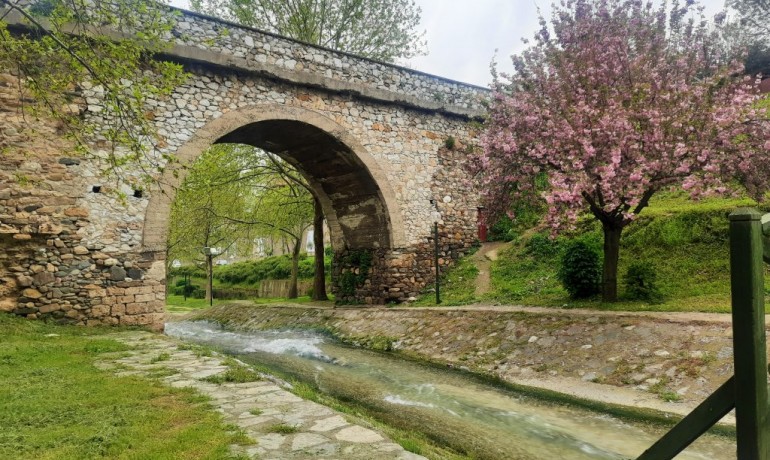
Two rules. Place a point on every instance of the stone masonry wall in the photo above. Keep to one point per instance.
(75, 253)
(54, 263)
(108, 234)
(252, 49)
(400, 274)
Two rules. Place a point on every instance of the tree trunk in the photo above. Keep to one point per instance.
(294, 268)
(612, 233)
(209, 273)
(319, 280)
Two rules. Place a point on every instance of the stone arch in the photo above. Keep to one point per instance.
(359, 204)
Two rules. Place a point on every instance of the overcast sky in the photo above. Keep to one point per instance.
(464, 34)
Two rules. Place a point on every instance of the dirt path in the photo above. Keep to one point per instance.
(483, 259)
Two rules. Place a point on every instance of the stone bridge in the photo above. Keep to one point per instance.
(371, 138)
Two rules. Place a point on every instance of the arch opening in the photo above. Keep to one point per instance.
(352, 200)
(358, 202)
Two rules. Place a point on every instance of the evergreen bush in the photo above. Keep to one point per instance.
(580, 270)
(641, 282)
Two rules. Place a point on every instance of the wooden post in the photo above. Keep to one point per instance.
(749, 341)
(697, 422)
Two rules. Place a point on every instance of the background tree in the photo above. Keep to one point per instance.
(290, 174)
(613, 102)
(235, 193)
(208, 209)
(379, 29)
(752, 30)
(37, 43)
(282, 207)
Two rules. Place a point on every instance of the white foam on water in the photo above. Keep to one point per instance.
(273, 342)
(395, 399)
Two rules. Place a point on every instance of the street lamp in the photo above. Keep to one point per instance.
(210, 253)
(436, 217)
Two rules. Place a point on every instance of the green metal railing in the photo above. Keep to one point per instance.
(747, 389)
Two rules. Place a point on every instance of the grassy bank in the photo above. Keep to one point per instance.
(685, 241)
(57, 405)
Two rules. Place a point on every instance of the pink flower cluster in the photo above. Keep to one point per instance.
(614, 101)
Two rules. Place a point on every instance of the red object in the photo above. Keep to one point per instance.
(482, 226)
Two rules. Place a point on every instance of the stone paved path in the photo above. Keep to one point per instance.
(322, 433)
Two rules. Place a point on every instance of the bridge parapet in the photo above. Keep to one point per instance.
(212, 40)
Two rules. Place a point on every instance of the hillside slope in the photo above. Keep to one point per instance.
(685, 241)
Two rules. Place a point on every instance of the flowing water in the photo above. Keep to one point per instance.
(452, 408)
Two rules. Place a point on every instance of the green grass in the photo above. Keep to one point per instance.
(161, 357)
(282, 428)
(686, 242)
(458, 286)
(178, 304)
(270, 300)
(236, 373)
(56, 405)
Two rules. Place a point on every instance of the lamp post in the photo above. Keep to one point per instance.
(436, 217)
(210, 254)
(176, 264)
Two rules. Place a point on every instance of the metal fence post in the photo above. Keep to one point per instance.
(749, 341)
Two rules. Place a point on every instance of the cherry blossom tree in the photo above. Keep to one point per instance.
(614, 101)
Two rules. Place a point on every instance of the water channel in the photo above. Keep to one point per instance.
(458, 411)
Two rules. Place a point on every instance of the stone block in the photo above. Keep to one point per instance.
(43, 278)
(24, 280)
(145, 298)
(113, 290)
(31, 293)
(136, 308)
(51, 307)
(93, 293)
(117, 273)
(118, 309)
(7, 305)
(100, 310)
(76, 212)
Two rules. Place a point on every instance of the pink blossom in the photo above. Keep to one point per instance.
(614, 101)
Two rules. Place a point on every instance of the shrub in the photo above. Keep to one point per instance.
(641, 282)
(542, 246)
(188, 270)
(579, 270)
(502, 230)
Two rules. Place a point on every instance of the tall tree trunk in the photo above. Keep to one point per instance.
(319, 280)
(209, 270)
(294, 268)
(612, 232)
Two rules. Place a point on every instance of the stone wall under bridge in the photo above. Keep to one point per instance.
(369, 137)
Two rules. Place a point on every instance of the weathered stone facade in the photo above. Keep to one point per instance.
(369, 137)
(62, 257)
